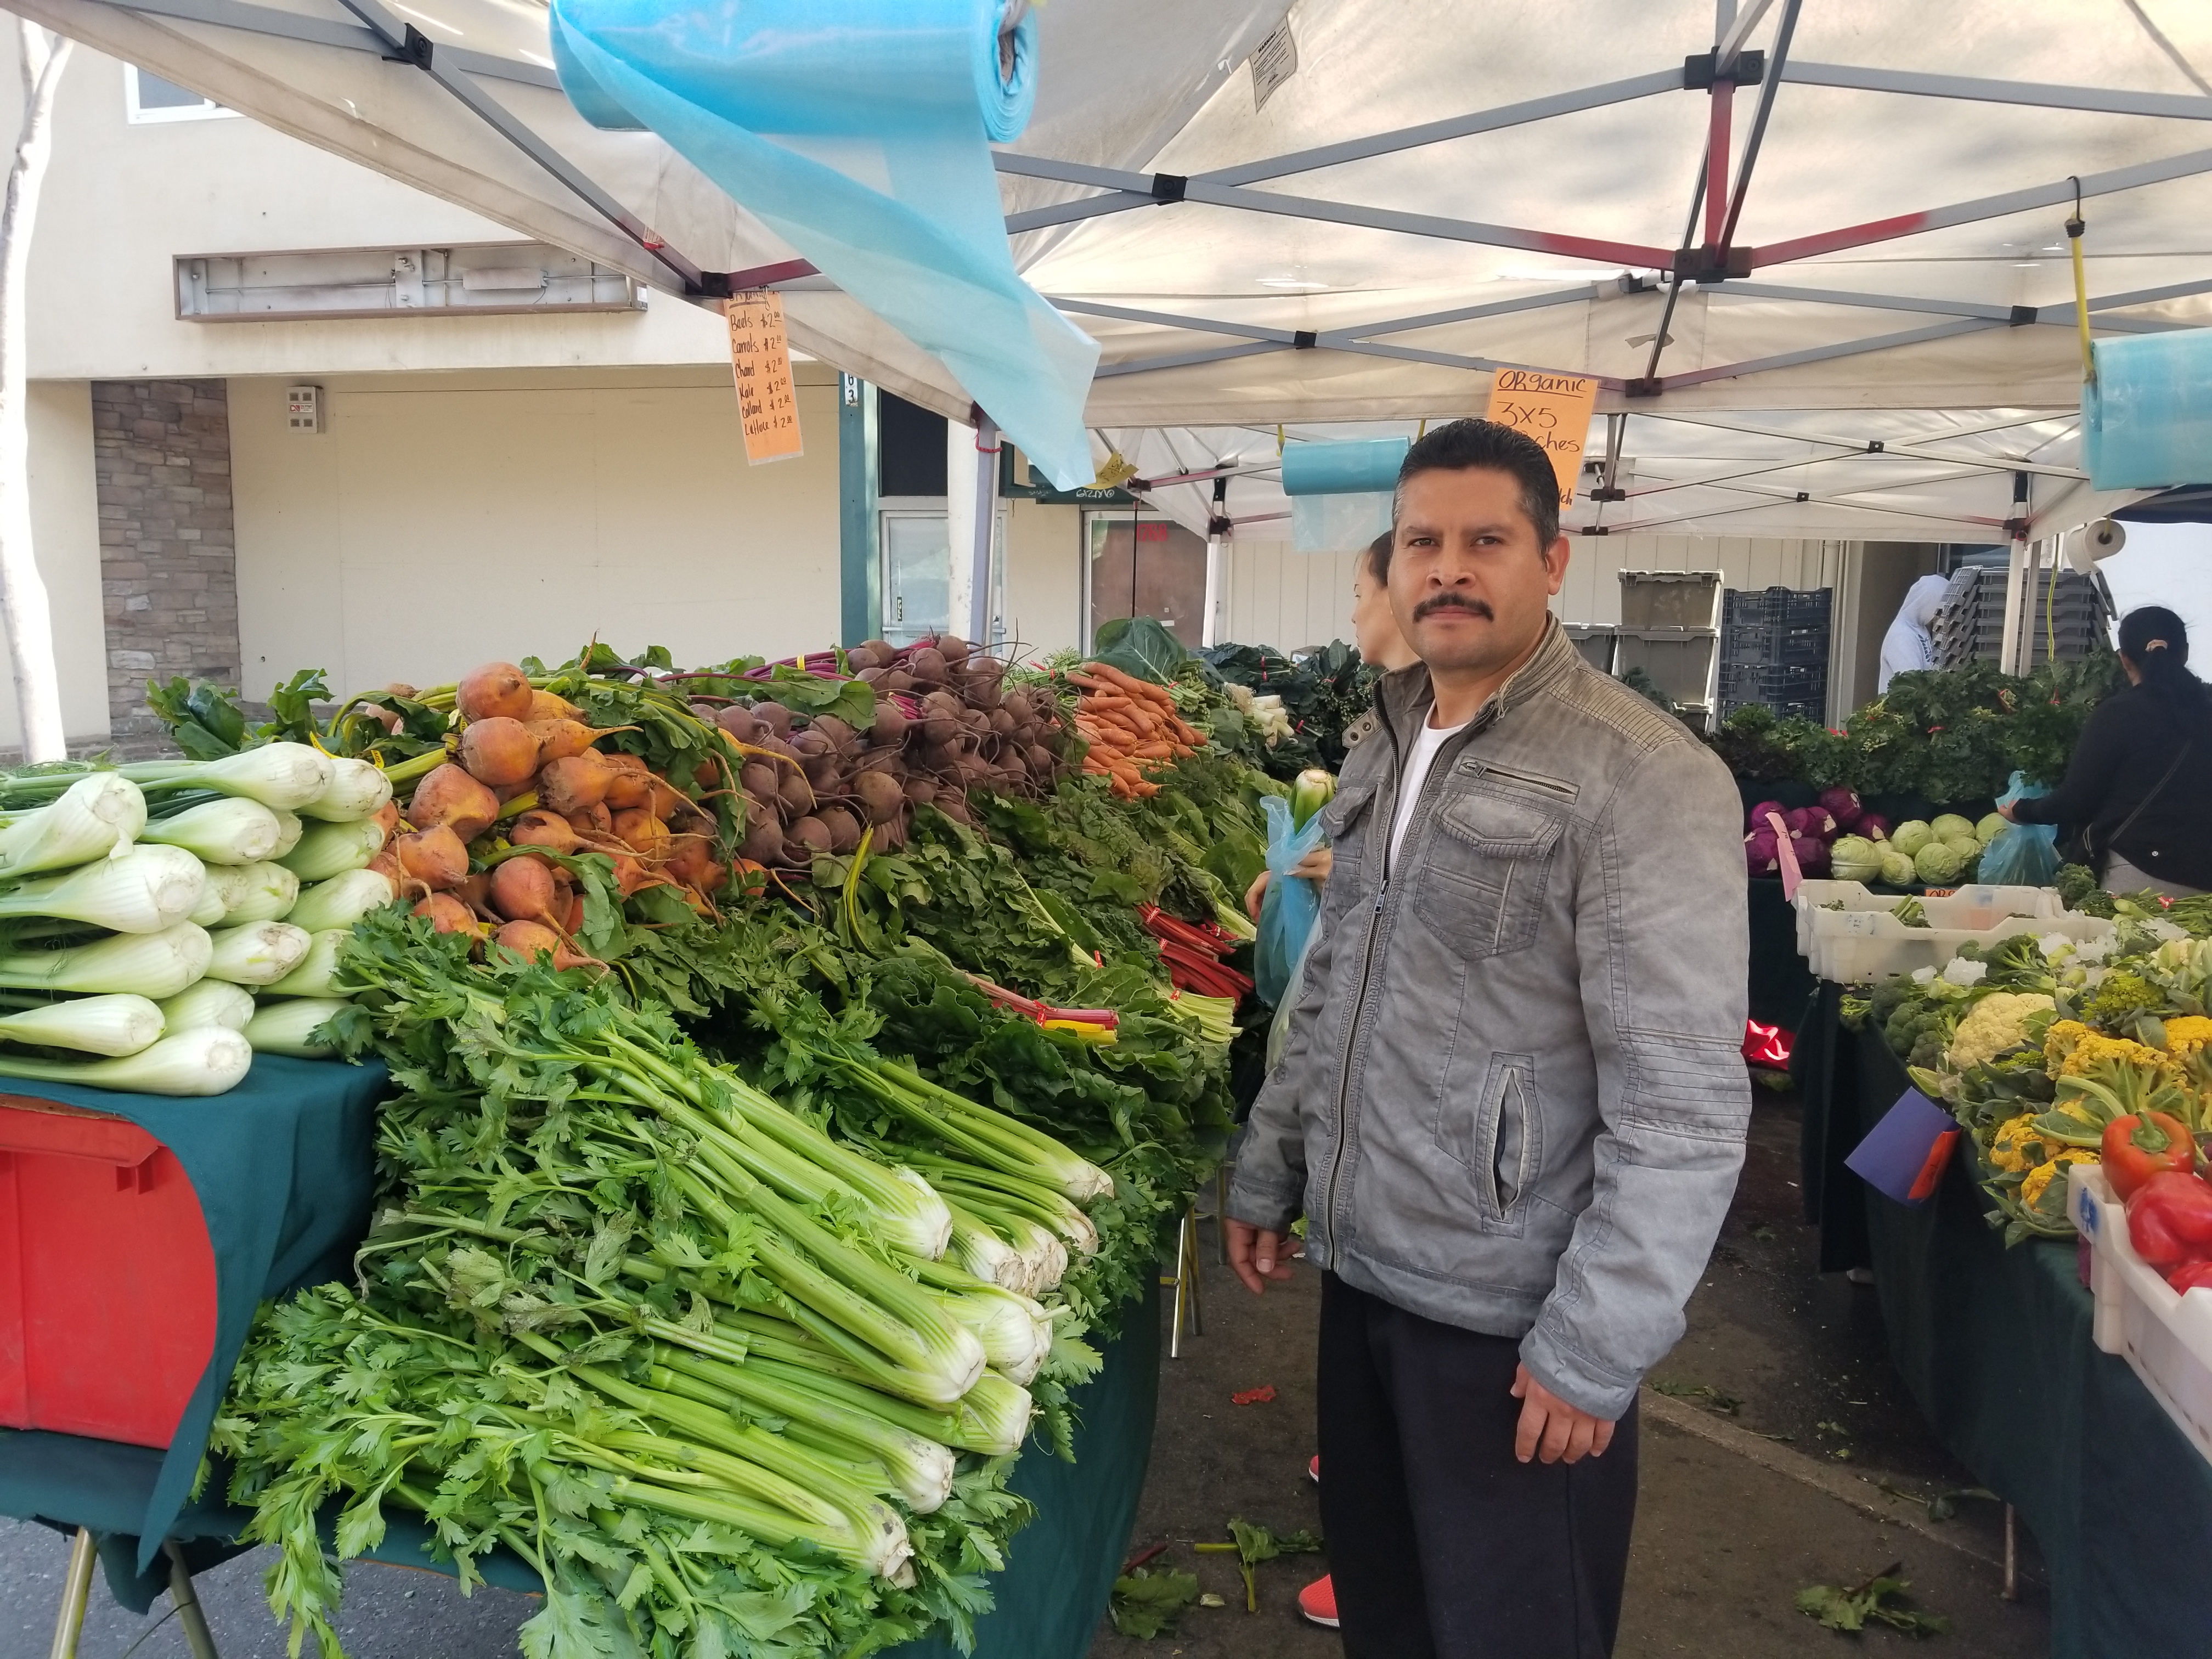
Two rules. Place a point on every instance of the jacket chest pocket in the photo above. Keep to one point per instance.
(1488, 864)
(1346, 826)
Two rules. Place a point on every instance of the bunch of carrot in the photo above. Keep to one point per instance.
(1128, 723)
(1193, 953)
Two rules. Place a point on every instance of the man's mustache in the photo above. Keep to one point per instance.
(1430, 606)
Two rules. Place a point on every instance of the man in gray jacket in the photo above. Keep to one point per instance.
(1513, 1105)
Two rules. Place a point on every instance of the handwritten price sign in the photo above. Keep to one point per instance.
(1552, 409)
(767, 405)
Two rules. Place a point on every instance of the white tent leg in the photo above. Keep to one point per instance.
(2015, 590)
(23, 608)
(983, 498)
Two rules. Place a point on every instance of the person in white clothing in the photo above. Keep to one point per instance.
(1909, 645)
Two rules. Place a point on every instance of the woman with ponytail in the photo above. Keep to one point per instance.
(2139, 781)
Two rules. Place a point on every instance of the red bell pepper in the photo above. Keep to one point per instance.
(2170, 1220)
(2191, 1276)
(2143, 1144)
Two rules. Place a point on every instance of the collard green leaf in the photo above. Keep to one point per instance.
(1139, 646)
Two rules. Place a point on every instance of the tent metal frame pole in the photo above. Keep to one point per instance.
(321, 32)
(2100, 101)
(1824, 354)
(2057, 316)
(2067, 417)
(2064, 192)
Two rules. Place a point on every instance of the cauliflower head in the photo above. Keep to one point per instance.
(2038, 1181)
(1998, 1022)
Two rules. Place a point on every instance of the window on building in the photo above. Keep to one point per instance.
(909, 448)
(147, 98)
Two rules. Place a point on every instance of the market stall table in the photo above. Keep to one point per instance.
(1995, 1344)
(1049, 1599)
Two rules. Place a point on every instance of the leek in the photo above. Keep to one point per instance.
(289, 829)
(342, 901)
(210, 1002)
(114, 1025)
(332, 849)
(232, 830)
(356, 790)
(313, 977)
(289, 1027)
(258, 953)
(284, 776)
(253, 892)
(209, 1061)
(141, 890)
(149, 964)
(93, 815)
(210, 910)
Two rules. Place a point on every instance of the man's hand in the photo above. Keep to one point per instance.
(1256, 1255)
(1550, 1429)
(2004, 811)
(1314, 866)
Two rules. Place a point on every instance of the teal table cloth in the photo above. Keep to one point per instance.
(1995, 1344)
(283, 1166)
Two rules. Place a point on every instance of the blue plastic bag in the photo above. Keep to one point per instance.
(1293, 906)
(2020, 854)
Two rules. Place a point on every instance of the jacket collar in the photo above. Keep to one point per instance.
(1403, 697)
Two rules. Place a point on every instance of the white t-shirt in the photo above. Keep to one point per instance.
(1416, 774)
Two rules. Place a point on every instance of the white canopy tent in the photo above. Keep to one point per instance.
(1816, 254)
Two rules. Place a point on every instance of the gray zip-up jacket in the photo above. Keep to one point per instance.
(1514, 1098)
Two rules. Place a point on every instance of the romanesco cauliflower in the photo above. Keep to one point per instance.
(1998, 1022)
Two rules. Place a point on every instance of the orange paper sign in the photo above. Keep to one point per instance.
(1552, 409)
(767, 405)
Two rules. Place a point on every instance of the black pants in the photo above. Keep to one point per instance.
(1440, 1541)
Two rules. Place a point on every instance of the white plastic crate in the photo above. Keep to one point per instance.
(2165, 1335)
(1849, 946)
(1972, 906)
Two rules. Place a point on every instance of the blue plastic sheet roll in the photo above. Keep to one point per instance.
(1348, 469)
(860, 132)
(2146, 418)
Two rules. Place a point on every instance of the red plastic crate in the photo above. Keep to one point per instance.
(107, 1276)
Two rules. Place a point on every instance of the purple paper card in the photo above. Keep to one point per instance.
(1903, 1156)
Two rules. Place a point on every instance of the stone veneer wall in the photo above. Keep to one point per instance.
(167, 544)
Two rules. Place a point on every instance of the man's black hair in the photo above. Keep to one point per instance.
(1466, 444)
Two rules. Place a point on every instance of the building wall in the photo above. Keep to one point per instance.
(167, 552)
(65, 532)
(443, 520)
(123, 201)
(1044, 576)
(1280, 596)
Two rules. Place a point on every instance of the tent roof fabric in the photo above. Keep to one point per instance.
(1436, 190)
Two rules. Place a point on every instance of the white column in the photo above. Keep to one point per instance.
(960, 523)
(2015, 589)
(983, 515)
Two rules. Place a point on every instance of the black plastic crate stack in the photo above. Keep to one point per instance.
(1774, 652)
(1969, 625)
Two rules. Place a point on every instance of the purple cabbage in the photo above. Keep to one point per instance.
(1873, 826)
(1843, 805)
(1812, 854)
(1755, 819)
(1759, 855)
(1811, 822)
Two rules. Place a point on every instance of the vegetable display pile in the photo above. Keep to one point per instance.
(2053, 1051)
(751, 1195)
(1838, 836)
(174, 917)
(1126, 722)
(1952, 737)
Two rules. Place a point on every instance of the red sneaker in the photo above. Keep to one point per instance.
(1313, 1469)
(1317, 1602)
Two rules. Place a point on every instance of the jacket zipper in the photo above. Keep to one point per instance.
(1557, 787)
(1367, 956)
